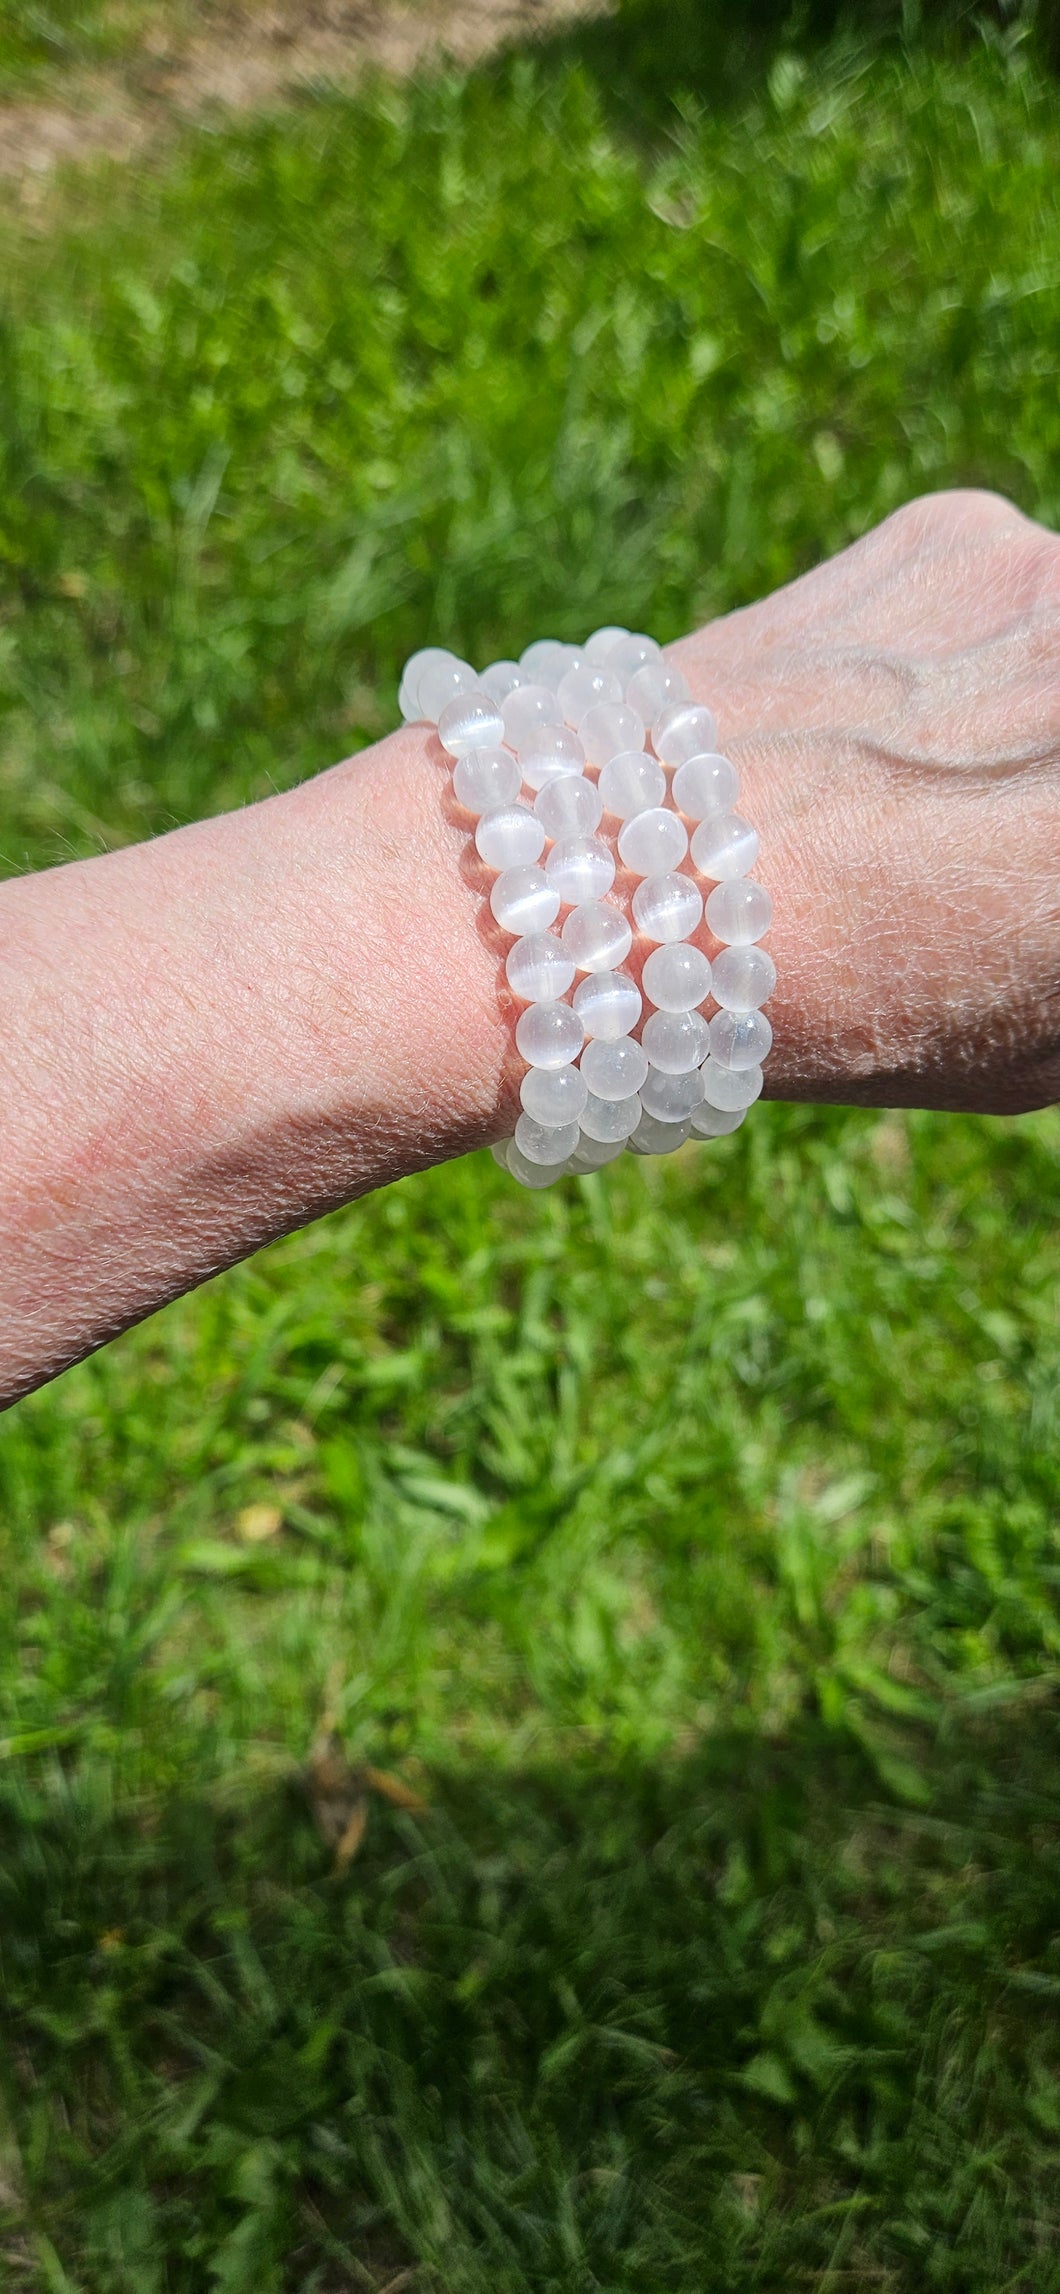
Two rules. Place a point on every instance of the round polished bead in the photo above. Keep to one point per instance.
(501, 678)
(608, 1004)
(705, 785)
(608, 729)
(508, 836)
(545, 1142)
(408, 690)
(584, 688)
(652, 842)
(676, 977)
(486, 778)
(538, 968)
(610, 1118)
(716, 1122)
(675, 1042)
(597, 936)
(471, 721)
(630, 653)
(526, 708)
(743, 978)
(554, 1094)
(531, 1174)
(548, 753)
(739, 1039)
(724, 846)
(730, 1087)
(654, 687)
(671, 1098)
(592, 1154)
(580, 868)
(499, 1152)
(631, 783)
(549, 1035)
(523, 900)
(667, 907)
(568, 806)
(614, 1070)
(603, 641)
(547, 660)
(739, 913)
(654, 1138)
(440, 682)
(683, 729)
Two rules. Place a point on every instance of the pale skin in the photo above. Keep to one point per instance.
(214, 1037)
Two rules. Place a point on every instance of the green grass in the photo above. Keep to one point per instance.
(688, 1537)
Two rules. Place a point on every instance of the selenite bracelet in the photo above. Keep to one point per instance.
(605, 811)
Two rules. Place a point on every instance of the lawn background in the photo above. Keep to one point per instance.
(683, 1543)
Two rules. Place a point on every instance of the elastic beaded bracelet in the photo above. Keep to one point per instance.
(543, 749)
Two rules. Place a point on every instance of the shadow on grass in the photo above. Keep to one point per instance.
(586, 2025)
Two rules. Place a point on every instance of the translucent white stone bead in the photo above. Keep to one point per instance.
(499, 1152)
(538, 968)
(523, 900)
(592, 1154)
(652, 842)
(631, 653)
(614, 1070)
(554, 1094)
(653, 688)
(739, 1039)
(603, 641)
(654, 1138)
(548, 753)
(580, 868)
(547, 660)
(717, 1122)
(667, 907)
(584, 687)
(508, 836)
(527, 707)
(676, 977)
(610, 1118)
(671, 1098)
(545, 1142)
(597, 936)
(408, 690)
(486, 778)
(724, 846)
(675, 1042)
(630, 783)
(501, 678)
(531, 1174)
(608, 729)
(743, 978)
(440, 682)
(739, 913)
(568, 806)
(704, 785)
(683, 729)
(549, 1035)
(730, 1087)
(470, 721)
(608, 1004)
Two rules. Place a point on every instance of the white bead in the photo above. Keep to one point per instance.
(743, 978)
(499, 1152)
(527, 707)
(671, 1098)
(597, 936)
(614, 1070)
(440, 682)
(610, 1118)
(630, 783)
(538, 968)
(531, 1174)
(549, 752)
(705, 785)
(554, 1094)
(408, 690)
(654, 1138)
(739, 1039)
(501, 678)
(730, 1087)
(675, 1042)
(580, 868)
(568, 806)
(676, 977)
(485, 778)
(506, 837)
(667, 907)
(683, 730)
(717, 1122)
(652, 842)
(547, 660)
(608, 729)
(603, 641)
(549, 1035)
(545, 1142)
(724, 846)
(608, 1004)
(653, 687)
(470, 721)
(584, 687)
(739, 913)
(631, 653)
(522, 900)
(594, 1153)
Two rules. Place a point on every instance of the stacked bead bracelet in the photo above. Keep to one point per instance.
(544, 749)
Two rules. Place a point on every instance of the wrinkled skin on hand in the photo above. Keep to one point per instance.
(896, 718)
